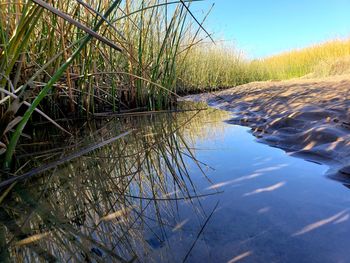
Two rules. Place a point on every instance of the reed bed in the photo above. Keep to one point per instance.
(209, 67)
(328, 58)
(82, 57)
(133, 66)
(64, 58)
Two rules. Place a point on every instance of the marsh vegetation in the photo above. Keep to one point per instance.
(66, 58)
(88, 95)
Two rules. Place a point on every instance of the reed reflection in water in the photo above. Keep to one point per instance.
(119, 202)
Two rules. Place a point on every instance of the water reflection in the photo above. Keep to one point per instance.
(240, 257)
(336, 219)
(266, 189)
(110, 203)
(179, 187)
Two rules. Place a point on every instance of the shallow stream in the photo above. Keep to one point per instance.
(186, 187)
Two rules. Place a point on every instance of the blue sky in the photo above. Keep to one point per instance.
(266, 27)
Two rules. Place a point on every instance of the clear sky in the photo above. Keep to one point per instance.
(266, 27)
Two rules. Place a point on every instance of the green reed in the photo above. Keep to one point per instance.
(63, 58)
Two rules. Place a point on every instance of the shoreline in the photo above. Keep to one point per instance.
(307, 118)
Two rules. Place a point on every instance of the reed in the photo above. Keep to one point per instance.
(315, 60)
(210, 67)
(65, 58)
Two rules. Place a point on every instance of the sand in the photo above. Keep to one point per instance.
(308, 118)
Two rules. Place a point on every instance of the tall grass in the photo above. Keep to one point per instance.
(74, 57)
(298, 63)
(211, 67)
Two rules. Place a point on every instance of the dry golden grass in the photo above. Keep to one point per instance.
(327, 58)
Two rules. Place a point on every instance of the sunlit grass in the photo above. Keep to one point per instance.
(209, 67)
(217, 66)
(328, 58)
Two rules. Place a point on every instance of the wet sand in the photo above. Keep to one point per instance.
(309, 118)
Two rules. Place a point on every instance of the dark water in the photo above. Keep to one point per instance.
(181, 187)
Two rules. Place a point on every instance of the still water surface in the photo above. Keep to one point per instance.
(186, 187)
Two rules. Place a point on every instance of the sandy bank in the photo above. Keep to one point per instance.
(307, 118)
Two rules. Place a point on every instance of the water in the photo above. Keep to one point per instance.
(205, 192)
